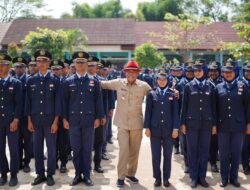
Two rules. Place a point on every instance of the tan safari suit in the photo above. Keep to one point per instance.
(129, 120)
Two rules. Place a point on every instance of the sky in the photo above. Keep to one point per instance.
(55, 8)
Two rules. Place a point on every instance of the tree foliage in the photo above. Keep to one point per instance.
(11, 9)
(180, 33)
(148, 56)
(55, 41)
(240, 49)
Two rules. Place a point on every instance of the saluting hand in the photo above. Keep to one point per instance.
(175, 134)
(14, 125)
(148, 132)
(96, 123)
(184, 129)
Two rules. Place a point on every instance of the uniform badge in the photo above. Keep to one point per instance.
(80, 54)
(51, 85)
(42, 52)
(170, 98)
(11, 88)
(207, 93)
(91, 83)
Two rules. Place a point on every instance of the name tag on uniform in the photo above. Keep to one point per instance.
(71, 85)
(91, 83)
(51, 85)
(194, 93)
(170, 98)
(124, 89)
(11, 88)
(207, 93)
(33, 86)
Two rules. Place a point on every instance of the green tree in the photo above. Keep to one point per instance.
(55, 41)
(108, 9)
(82, 10)
(10, 9)
(217, 10)
(240, 49)
(13, 50)
(179, 33)
(76, 40)
(148, 56)
(156, 10)
(243, 11)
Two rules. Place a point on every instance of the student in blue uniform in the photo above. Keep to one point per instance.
(189, 76)
(82, 112)
(10, 114)
(43, 107)
(246, 146)
(177, 74)
(93, 67)
(233, 111)
(162, 125)
(198, 119)
(25, 136)
(214, 75)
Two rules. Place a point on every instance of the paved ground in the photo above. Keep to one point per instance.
(178, 180)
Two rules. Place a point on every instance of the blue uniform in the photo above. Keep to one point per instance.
(233, 111)
(82, 104)
(63, 144)
(100, 132)
(10, 108)
(42, 105)
(161, 117)
(246, 146)
(198, 114)
(180, 87)
(25, 136)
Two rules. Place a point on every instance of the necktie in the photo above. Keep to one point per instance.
(162, 92)
(200, 85)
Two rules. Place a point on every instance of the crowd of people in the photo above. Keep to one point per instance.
(198, 109)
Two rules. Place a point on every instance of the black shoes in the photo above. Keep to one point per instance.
(133, 179)
(176, 150)
(26, 168)
(235, 183)
(76, 180)
(166, 183)
(186, 169)
(246, 171)
(50, 181)
(223, 183)
(157, 183)
(99, 169)
(214, 168)
(110, 142)
(39, 179)
(63, 169)
(120, 183)
(105, 157)
(193, 183)
(13, 181)
(203, 183)
(3, 179)
(88, 181)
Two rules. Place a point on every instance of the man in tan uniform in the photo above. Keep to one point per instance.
(129, 119)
